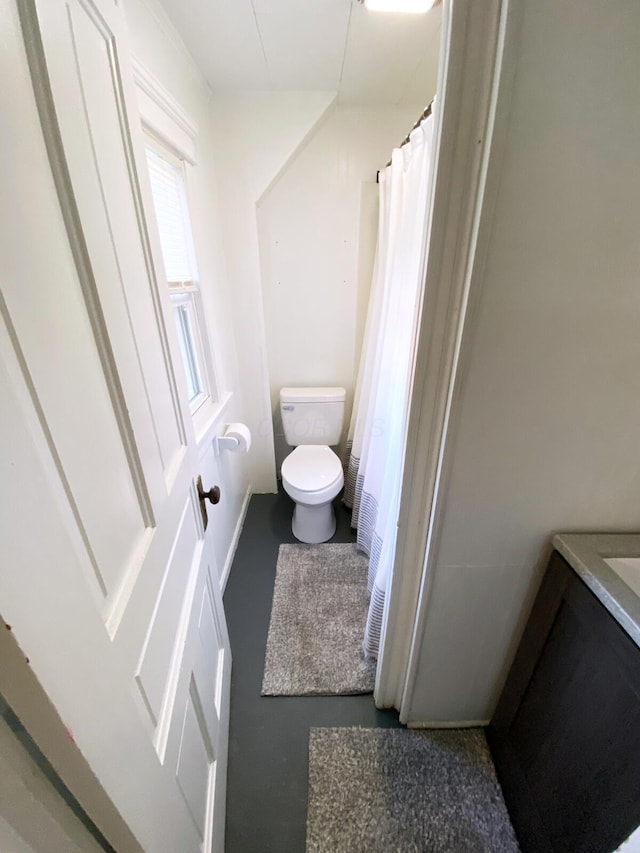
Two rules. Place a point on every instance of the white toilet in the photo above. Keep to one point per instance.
(312, 473)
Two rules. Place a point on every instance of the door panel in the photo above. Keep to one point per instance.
(116, 599)
(209, 664)
(49, 341)
(98, 79)
(194, 763)
(204, 678)
(153, 669)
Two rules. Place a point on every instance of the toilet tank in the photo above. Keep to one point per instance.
(312, 415)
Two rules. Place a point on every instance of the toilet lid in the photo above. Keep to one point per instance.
(311, 467)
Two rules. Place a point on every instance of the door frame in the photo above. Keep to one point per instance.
(29, 702)
(477, 68)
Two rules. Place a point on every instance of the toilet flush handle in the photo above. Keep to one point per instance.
(213, 496)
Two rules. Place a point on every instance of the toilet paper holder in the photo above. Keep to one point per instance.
(225, 442)
(235, 437)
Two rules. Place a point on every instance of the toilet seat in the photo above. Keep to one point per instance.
(312, 474)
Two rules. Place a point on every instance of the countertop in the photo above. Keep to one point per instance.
(585, 553)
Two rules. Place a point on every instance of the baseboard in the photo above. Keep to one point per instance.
(450, 724)
(235, 539)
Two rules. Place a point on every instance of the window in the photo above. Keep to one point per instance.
(168, 191)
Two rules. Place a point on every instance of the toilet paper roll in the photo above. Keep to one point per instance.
(241, 433)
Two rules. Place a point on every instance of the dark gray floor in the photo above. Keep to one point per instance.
(268, 742)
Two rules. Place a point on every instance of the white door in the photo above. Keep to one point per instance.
(107, 577)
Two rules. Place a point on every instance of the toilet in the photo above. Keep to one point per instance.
(312, 473)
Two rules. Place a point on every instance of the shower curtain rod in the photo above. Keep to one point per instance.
(424, 115)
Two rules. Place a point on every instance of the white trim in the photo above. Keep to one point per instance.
(28, 700)
(162, 115)
(473, 103)
(206, 407)
(34, 815)
(162, 19)
(206, 419)
(475, 251)
(145, 80)
(224, 577)
(210, 339)
(450, 724)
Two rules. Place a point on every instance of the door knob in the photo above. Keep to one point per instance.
(213, 496)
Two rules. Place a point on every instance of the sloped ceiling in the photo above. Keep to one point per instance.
(368, 58)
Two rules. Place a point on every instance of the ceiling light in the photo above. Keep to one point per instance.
(411, 7)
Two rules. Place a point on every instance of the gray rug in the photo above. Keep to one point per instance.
(406, 791)
(318, 616)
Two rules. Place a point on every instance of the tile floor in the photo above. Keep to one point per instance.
(268, 743)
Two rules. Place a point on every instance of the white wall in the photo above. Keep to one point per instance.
(550, 417)
(255, 136)
(317, 229)
(156, 45)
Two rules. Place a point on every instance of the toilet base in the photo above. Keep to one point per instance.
(313, 524)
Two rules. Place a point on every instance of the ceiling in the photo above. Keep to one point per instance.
(369, 58)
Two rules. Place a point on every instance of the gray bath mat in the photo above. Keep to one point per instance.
(381, 790)
(318, 616)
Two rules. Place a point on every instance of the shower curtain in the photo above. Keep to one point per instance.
(377, 432)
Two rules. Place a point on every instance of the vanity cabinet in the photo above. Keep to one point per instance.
(565, 736)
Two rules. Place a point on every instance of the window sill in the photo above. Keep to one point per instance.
(207, 418)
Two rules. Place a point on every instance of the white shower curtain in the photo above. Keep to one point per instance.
(377, 432)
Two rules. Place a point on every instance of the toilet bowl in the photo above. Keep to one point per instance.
(312, 476)
(312, 473)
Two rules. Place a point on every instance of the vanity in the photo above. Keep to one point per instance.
(565, 736)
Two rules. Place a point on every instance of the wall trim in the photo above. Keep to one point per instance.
(161, 113)
(224, 577)
(159, 14)
(473, 103)
(450, 724)
(146, 81)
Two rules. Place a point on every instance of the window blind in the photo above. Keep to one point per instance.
(167, 189)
